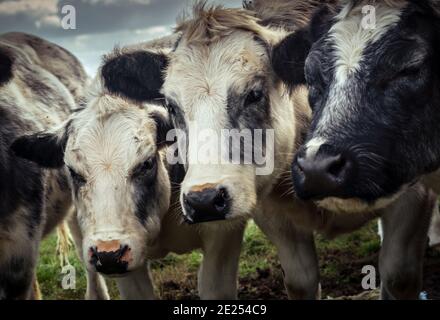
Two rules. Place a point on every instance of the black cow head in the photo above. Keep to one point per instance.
(375, 95)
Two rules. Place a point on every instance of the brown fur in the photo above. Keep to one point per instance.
(211, 23)
(287, 14)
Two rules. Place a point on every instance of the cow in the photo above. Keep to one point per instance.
(219, 76)
(40, 83)
(124, 190)
(373, 90)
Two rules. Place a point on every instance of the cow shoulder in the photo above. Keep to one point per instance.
(54, 59)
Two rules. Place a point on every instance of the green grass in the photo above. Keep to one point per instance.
(175, 276)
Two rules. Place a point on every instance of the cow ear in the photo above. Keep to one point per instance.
(163, 126)
(289, 56)
(136, 75)
(45, 148)
(6, 63)
(321, 22)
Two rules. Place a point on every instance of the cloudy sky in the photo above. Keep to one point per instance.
(100, 24)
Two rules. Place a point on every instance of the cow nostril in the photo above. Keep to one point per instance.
(93, 251)
(337, 167)
(207, 204)
(123, 251)
(221, 199)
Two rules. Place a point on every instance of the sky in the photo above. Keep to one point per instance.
(100, 24)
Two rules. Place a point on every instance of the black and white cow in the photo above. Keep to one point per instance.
(125, 191)
(40, 83)
(374, 92)
(219, 76)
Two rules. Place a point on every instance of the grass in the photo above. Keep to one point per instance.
(341, 261)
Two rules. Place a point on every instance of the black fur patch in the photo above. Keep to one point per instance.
(144, 180)
(249, 114)
(6, 63)
(47, 150)
(15, 279)
(137, 75)
(289, 56)
(163, 126)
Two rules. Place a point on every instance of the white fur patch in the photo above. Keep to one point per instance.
(351, 38)
(313, 146)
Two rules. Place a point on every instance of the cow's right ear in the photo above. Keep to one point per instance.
(289, 56)
(45, 149)
(137, 75)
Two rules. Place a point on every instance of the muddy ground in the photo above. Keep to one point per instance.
(267, 284)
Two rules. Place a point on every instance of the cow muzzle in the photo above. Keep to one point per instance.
(206, 203)
(323, 176)
(110, 257)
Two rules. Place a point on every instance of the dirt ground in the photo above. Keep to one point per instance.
(341, 262)
(267, 284)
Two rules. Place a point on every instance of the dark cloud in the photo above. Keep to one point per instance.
(92, 16)
(101, 24)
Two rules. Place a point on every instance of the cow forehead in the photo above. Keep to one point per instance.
(117, 139)
(202, 71)
(352, 33)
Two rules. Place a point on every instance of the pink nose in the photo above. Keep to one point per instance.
(110, 257)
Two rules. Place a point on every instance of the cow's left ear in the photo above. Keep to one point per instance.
(45, 149)
(289, 56)
(163, 126)
(137, 75)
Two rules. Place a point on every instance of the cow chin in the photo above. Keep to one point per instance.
(356, 206)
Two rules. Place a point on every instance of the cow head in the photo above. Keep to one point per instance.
(375, 91)
(221, 91)
(112, 150)
(236, 134)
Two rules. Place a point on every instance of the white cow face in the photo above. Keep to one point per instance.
(223, 95)
(216, 90)
(120, 185)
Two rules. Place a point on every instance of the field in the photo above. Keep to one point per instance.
(341, 262)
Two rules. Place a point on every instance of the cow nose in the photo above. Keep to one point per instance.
(206, 204)
(110, 257)
(322, 176)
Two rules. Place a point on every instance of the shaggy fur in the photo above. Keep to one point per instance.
(45, 83)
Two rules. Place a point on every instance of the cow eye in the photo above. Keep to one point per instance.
(402, 74)
(145, 168)
(254, 97)
(171, 107)
(315, 93)
(78, 179)
(407, 72)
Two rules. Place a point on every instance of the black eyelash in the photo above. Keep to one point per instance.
(171, 107)
(145, 168)
(254, 96)
(78, 179)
